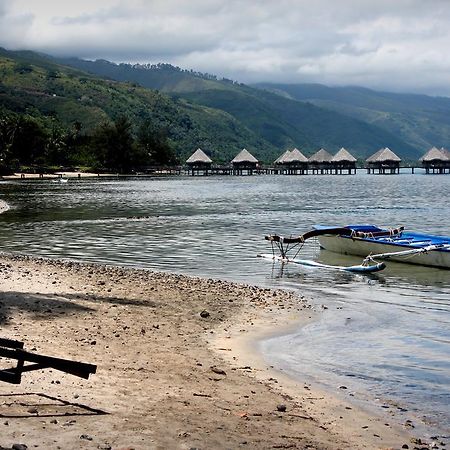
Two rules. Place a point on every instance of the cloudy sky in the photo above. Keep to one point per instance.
(395, 45)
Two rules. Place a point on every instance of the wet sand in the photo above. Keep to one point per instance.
(177, 365)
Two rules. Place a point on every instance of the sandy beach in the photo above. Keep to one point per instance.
(177, 366)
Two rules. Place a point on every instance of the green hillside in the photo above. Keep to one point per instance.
(32, 84)
(282, 121)
(420, 120)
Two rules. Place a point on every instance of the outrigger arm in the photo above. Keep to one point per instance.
(412, 252)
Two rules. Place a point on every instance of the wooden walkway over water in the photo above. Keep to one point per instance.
(227, 170)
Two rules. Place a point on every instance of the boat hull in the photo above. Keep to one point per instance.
(362, 247)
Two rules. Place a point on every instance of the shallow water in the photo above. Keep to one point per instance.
(384, 337)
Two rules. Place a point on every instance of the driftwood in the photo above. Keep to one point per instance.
(14, 350)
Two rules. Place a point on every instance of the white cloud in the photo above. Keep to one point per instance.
(399, 45)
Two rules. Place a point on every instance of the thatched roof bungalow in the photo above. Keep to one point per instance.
(436, 160)
(244, 161)
(199, 162)
(343, 160)
(321, 160)
(296, 157)
(293, 162)
(282, 158)
(199, 157)
(384, 161)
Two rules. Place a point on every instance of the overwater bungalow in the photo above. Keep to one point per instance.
(280, 163)
(436, 160)
(343, 161)
(282, 158)
(296, 162)
(384, 161)
(244, 163)
(199, 163)
(320, 162)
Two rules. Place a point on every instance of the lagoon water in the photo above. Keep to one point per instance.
(385, 337)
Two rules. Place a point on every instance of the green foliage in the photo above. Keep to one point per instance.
(77, 96)
(153, 143)
(171, 112)
(419, 121)
(113, 145)
(278, 121)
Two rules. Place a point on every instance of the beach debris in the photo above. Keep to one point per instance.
(13, 349)
(86, 437)
(218, 370)
(204, 314)
(197, 394)
(281, 408)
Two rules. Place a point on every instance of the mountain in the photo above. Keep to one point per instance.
(36, 85)
(280, 121)
(419, 120)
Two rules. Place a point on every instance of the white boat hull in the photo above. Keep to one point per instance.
(361, 247)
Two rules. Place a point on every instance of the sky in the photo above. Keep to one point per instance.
(391, 45)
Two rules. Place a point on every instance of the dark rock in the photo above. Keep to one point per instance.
(19, 447)
(204, 314)
(86, 437)
(281, 408)
(218, 371)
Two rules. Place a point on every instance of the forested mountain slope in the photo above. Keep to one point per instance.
(421, 121)
(282, 122)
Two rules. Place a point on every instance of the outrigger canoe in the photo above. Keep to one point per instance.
(396, 245)
(372, 242)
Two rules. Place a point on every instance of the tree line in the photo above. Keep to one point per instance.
(41, 144)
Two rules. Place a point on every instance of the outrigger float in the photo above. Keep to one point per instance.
(373, 243)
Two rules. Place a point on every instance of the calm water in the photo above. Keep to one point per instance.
(385, 337)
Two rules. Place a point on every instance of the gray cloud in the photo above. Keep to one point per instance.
(399, 45)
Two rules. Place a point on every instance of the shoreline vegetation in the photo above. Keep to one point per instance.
(177, 365)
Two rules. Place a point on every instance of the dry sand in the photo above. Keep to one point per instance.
(167, 377)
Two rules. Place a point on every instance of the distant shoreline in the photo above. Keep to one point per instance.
(54, 176)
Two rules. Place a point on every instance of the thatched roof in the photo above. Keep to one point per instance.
(282, 158)
(296, 156)
(199, 156)
(382, 155)
(435, 154)
(343, 156)
(320, 157)
(446, 152)
(244, 156)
